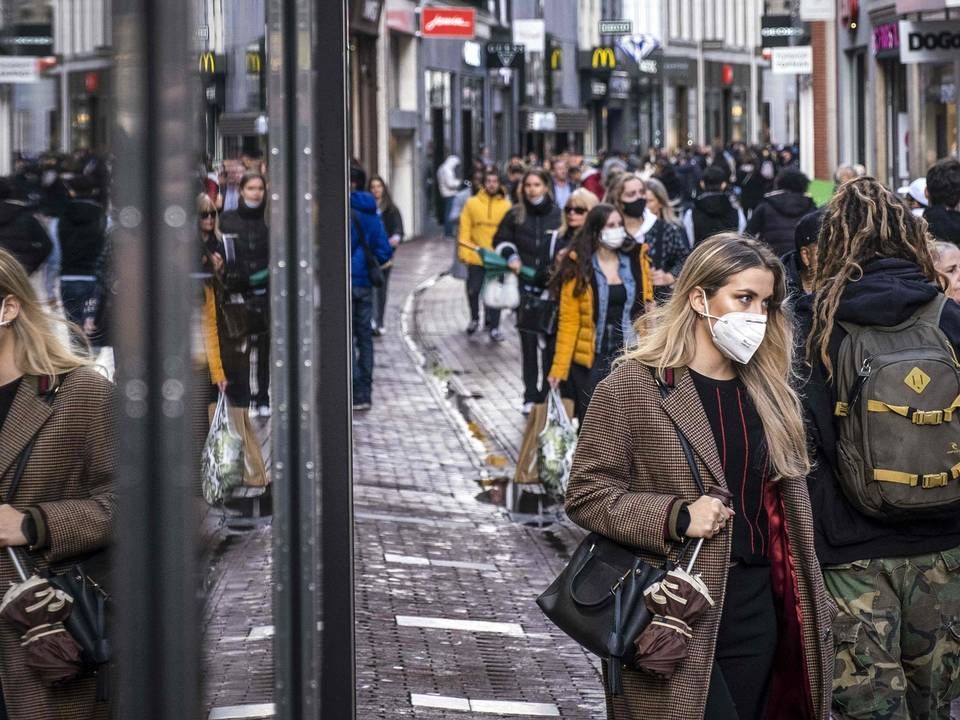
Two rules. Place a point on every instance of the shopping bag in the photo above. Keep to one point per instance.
(501, 291)
(527, 471)
(222, 463)
(254, 471)
(556, 445)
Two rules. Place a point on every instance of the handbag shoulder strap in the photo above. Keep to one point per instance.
(48, 391)
(665, 384)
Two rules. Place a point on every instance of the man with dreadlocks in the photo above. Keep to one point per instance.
(893, 570)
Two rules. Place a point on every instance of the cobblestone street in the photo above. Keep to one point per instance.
(445, 583)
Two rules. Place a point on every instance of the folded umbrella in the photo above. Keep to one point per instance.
(38, 610)
(676, 602)
(494, 262)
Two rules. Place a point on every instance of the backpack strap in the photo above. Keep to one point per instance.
(928, 313)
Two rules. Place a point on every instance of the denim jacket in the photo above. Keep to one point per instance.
(603, 296)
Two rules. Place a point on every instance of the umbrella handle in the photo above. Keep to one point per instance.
(17, 563)
(693, 558)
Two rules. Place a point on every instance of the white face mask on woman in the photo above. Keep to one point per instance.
(253, 205)
(536, 200)
(613, 237)
(737, 334)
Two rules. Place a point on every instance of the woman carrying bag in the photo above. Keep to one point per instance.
(64, 505)
(723, 343)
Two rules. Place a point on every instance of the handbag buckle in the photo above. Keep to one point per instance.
(620, 582)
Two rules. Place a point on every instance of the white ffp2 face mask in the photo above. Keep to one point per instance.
(737, 334)
(613, 238)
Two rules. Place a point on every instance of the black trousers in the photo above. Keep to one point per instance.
(380, 306)
(536, 364)
(491, 316)
(262, 344)
(746, 644)
(577, 388)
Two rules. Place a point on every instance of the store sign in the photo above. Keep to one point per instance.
(472, 53)
(678, 68)
(505, 55)
(915, 6)
(886, 38)
(543, 121)
(254, 62)
(615, 27)
(782, 31)
(648, 67)
(598, 89)
(556, 58)
(530, 34)
(619, 86)
(929, 42)
(27, 39)
(18, 70)
(603, 58)
(792, 60)
(817, 10)
(849, 13)
(438, 22)
(212, 64)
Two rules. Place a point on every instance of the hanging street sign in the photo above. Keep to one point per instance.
(616, 27)
(797, 60)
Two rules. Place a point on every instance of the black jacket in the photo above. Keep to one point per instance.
(22, 235)
(712, 213)
(775, 219)
(944, 223)
(82, 233)
(530, 239)
(891, 290)
(253, 237)
(791, 262)
(392, 221)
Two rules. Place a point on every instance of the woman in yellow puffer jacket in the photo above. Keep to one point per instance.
(479, 221)
(603, 286)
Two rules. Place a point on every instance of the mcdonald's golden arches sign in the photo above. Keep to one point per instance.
(556, 58)
(603, 58)
(212, 64)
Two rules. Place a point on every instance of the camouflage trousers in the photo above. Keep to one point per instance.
(897, 635)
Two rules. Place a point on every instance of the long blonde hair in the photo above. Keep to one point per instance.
(667, 339)
(614, 194)
(659, 191)
(38, 349)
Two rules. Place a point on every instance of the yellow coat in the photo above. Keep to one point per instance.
(576, 331)
(479, 221)
(576, 328)
(211, 336)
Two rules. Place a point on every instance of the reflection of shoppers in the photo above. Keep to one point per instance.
(479, 221)
(82, 235)
(721, 349)
(366, 228)
(21, 234)
(63, 510)
(393, 224)
(253, 252)
(896, 583)
(449, 184)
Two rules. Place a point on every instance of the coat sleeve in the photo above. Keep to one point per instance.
(677, 249)
(82, 525)
(377, 238)
(688, 227)
(598, 497)
(211, 336)
(754, 225)
(465, 243)
(504, 239)
(568, 328)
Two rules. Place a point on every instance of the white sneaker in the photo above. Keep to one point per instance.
(527, 408)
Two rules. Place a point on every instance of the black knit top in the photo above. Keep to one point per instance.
(742, 446)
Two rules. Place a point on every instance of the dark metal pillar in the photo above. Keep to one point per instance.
(155, 249)
(312, 352)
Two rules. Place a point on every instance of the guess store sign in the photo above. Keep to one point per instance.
(886, 39)
(438, 22)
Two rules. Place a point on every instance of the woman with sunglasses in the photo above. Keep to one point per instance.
(600, 298)
(580, 202)
(666, 242)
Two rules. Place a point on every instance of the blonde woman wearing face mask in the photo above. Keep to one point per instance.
(720, 350)
(64, 506)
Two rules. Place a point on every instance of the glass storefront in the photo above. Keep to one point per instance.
(939, 84)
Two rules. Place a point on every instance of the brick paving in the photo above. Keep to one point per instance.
(418, 467)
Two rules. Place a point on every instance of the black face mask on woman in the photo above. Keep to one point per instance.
(635, 209)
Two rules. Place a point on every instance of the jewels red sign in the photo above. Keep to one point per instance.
(440, 22)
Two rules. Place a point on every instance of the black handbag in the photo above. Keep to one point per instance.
(257, 313)
(87, 620)
(374, 270)
(598, 597)
(537, 314)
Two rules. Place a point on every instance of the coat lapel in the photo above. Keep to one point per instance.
(683, 405)
(27, 415)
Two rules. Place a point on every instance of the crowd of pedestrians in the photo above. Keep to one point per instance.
(797, 349)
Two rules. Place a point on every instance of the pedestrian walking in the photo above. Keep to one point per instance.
(369, 246)
(721, 350)
(82, 233)
(774, 221)
(666, 243)
(628, 195)
(580, 202)
(892, 572)
(600, 299)
(479, 221)
(63, 509)
(801, 263)
(248, 223)
(713, 210)
(524, 238)
(21, 234)
(562, 186)
(943, 190)
(393, 225)
(448, 183)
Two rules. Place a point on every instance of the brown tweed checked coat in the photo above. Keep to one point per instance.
(69, 478)
(628, 470)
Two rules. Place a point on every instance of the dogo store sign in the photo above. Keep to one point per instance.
(929, 42)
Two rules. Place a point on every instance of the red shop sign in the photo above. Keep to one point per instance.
(438, 22)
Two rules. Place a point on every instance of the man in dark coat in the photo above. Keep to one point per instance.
(776, 217)
(713, 211)
(21, 234)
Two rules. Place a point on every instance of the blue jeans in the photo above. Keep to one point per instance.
(362, 344)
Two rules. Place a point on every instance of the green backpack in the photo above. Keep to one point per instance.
(898, 411)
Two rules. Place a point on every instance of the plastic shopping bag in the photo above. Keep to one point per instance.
(222, 464)
(501, 290)
(556, 445)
